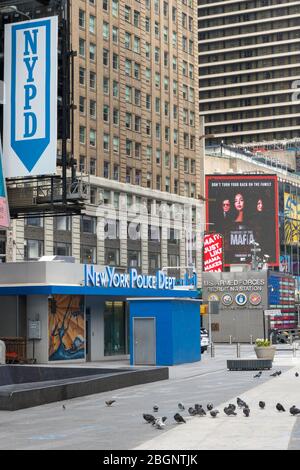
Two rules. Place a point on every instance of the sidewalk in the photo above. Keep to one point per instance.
(87, 423)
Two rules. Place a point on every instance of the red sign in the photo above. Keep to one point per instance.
(213, 253)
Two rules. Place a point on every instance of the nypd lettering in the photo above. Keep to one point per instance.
(109, 277)
(30, 109)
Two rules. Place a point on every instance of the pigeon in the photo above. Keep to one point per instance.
(192, 411)
(155, 408)
(159, 423)
(257, 375)
(179, 419)
(240, 403)
(279, 407)
(279, 372)
(110, 402)
(210, 406)
(246, 412)
(261, 404)
(296, 374)
(274, 374)
(201, 411)
(197, 406)
(213, 413)
(181, 406)
(148, 418)
(231, 405)
(64, 407)
(294, 411)
(229, 411)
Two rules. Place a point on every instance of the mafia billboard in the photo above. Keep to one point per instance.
(244, 209)
(213, 252)
(30, 106)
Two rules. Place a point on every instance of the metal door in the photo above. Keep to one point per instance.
(144, 341)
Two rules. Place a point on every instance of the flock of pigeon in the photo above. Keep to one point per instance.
(230, 410)
(198, 410)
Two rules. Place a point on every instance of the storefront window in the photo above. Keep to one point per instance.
(114, 328)
(112, 256)
(88, 254)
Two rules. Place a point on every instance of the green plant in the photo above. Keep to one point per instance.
(262, 342)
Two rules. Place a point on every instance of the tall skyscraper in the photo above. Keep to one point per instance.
(249, 65)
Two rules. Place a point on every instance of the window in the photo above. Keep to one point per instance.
(105, 169)
(88, 224)
(105, 32)
(92, 166)
(128, 147)
(116, 172)
(112, 256)
(116, 144)
(92, 24)
(127, 13)
(137, 124)
(81, 19)
(81, 104)
(128, 120)
(115, 61)
(63, 223)
(92, 137)
(88, 254)
(93, 109)
(115, 89)
(82, 134)
(33, 249)
(106, 142)
(34, 221)
(137, 97)
(62, 249)
(105, 113)
(81, 76)
(92, 51)
(134, 259)
(115, 8)
(105, 57)
(116, 117)
(93, 80)
(115, 34)
(81, 47)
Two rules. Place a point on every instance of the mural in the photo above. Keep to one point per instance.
(66, 327)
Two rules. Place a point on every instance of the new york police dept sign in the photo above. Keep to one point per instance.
(30, 108)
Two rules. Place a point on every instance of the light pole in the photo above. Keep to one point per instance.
(13, 9)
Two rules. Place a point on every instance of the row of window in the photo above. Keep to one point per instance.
(34, 249)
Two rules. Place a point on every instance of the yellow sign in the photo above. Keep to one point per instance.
(204, 309)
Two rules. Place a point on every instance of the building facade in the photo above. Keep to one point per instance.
(249, 62)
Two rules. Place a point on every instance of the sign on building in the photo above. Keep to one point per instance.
(30, 107)
(213, 253)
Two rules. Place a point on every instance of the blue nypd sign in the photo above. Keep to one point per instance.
(30, 106)
(109, 277)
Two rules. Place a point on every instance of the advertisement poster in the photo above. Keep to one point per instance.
(66, 327)
(244, 209)
(291, 219)
(4, 209)
(30, 105)
(213, 253)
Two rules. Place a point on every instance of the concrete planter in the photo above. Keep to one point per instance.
(265, 352)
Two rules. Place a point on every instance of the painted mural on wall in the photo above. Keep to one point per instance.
(66, 327)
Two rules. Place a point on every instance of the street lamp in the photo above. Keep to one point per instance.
(13, 9)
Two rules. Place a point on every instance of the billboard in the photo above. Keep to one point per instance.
(30, 105)
(213, 252)
(291, 219)
(244, 209)
(4, 209)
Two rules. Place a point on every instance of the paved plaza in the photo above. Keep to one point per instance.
(87, 423)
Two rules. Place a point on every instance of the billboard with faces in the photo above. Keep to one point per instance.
(244, 209)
